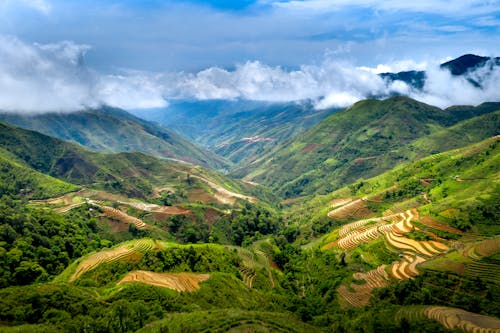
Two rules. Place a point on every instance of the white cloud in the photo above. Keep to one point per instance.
(34, 78)
(443, 90)
(53, 77)
(397, 66)
(459, 7)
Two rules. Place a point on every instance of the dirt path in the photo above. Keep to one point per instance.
(119, 215)
(224, 195)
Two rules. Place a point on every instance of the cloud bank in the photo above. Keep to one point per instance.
(53, 77)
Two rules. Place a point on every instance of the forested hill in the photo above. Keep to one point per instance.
(367, 139)
(115, 130)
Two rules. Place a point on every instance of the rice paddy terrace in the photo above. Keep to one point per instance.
(478, 257)
(175, 281)
(394, 229)
(452, 318)
(252, 264)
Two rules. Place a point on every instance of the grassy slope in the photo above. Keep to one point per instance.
(361, 142)
(114, 130)
(477, 167)
(133, 174)
(17, 179)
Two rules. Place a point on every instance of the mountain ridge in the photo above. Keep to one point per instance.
(355, 143)
(115, 130)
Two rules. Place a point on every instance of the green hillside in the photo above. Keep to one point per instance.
(147, 245)
(114, 130)
(238, 130)
(362, 141)
(133, 174)
(18, 180)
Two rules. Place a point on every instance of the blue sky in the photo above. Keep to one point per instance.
(192, 35)
(71, 54)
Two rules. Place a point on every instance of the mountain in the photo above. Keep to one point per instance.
(469, 62)
(19, 180)
(419, 234)
(125, 242)
(461, 66)
(114, 130)
(362, 141)
(414, 249)
(237, 130)
(133, 174)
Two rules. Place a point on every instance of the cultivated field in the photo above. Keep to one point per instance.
(453, 318)
(175, 281)
(126, 251)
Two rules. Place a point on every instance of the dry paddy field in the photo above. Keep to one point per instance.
(347, 208)
(175, 281)
(453, 318)
(357, 295)
(127, 251)
(223, 195)
(119, 215)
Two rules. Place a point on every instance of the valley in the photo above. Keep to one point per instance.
(382, 216)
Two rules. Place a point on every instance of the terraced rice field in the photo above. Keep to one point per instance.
(483, 249)
(454, 318)
(339, 202)
(392, 227)
(430, 222)
(348, 209)
(119, 215)
(484, 269)
(251, 263)
(361, 293)
(175, 281)
(424, 248)
(405, 268)
(364, 231)
(123, 252)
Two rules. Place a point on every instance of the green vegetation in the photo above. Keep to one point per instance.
(114, 130)
(103, 258)
(217, 124)
(365, 140)
(37, 244)
(234, 319)
(17, 179)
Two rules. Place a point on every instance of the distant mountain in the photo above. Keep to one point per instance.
(114, 130)
(364, 140)
(461, 66)
(237, 130)
(468, 62)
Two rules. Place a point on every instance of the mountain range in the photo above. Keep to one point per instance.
(238, 216)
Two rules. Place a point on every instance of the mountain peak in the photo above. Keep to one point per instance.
(465, 63)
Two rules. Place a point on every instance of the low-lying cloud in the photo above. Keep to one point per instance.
(53, 77)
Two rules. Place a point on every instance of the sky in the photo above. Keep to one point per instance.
(65, 55)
